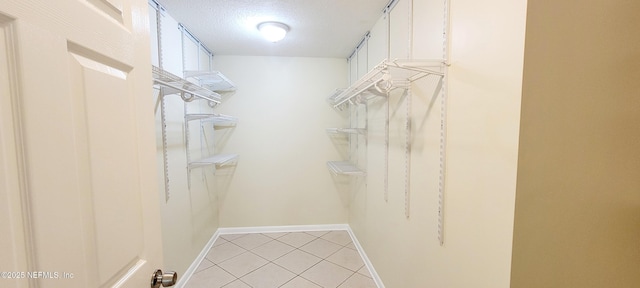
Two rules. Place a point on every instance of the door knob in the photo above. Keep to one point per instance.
(163, 279)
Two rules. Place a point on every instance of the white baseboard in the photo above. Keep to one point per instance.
(367, 262)
(182, 280)
(279, 229)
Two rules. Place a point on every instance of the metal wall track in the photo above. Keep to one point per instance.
(409, 106)
(443, 126)
(165, 156)
(407, 156)
(187, 136)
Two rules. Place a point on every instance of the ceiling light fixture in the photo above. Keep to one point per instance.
(273, 31)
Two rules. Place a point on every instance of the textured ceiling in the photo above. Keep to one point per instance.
(319, 28)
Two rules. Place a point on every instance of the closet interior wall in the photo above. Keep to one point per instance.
(189, 210)
(395, 215)
(282, 178)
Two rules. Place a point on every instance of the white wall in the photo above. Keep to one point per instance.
(190, 214)
(281, 177)
(484, 82)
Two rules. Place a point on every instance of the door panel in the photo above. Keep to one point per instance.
(112, 8)
(113, 213)
(13, 249)
(84, 146)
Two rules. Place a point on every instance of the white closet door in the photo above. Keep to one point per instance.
(77, 145)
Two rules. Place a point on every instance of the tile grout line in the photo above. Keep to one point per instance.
(234, 280)
(227, 258)
(345, 280)
(278, 239)
(229, 272)
(327, 259)
(342, 246)
(221, 268)
(294, 249)
(272, 262)
(247, 251)
(298, 248)
(237, 279)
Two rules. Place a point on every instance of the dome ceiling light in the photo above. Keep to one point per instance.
(273, 31)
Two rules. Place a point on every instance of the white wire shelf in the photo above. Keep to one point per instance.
(174, 85)
(213, 80)
(346, 130)
(385, 77)
(216, 119)
(218, 160)
(334, 97)
(344, 168)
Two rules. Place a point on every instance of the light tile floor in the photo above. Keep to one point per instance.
(313, 259)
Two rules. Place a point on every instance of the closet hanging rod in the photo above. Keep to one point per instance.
(169, 80)
(383, 72)
(347, 130)
(211, 116)
(187, 91)
(360, 91)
